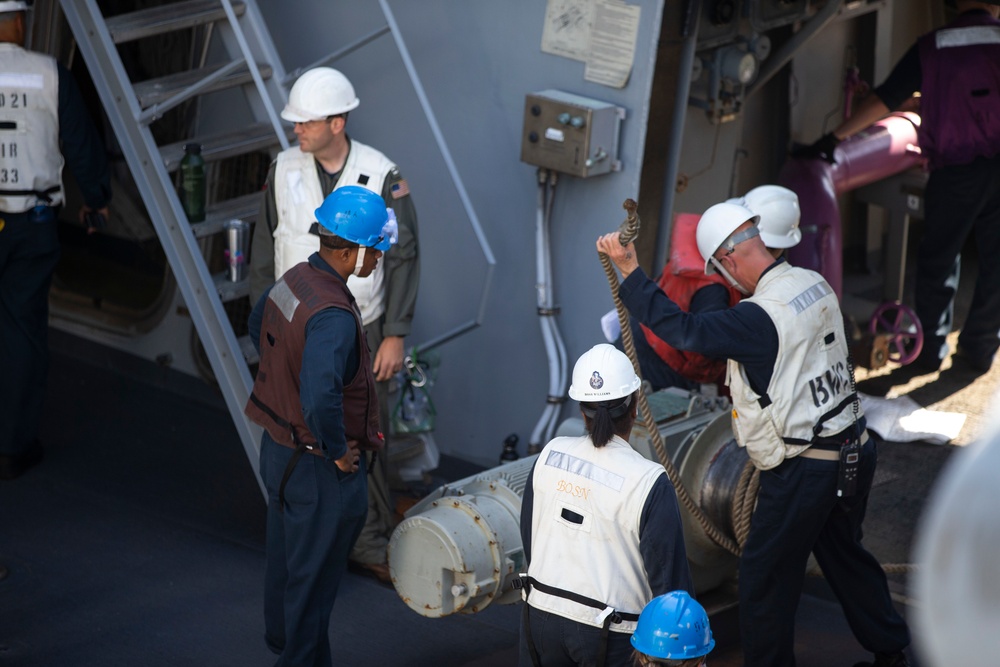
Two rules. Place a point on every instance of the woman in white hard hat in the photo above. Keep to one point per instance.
(601, 528)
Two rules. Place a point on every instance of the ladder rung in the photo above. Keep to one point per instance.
(167, 18)
(241, 141)
(216, 216)
(154, 91)
(248, 350)
(227, 289)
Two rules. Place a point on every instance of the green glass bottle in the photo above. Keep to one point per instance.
(193, 183)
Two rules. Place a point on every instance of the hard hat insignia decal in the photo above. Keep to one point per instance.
(596, 381)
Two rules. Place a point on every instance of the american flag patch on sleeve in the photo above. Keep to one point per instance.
(399, 189)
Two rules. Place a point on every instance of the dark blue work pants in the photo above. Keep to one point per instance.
(307, 547)
(959, 201)
(561, 642)
(29, 252)
(798, 512)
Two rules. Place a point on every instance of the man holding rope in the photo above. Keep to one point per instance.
(684, 280)
(799, 418)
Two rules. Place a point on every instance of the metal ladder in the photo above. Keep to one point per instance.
(131, 107)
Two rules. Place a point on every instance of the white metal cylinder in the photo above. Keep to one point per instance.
(459, 549)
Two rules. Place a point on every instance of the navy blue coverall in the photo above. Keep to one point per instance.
(29, 252)
(325, 508)
(798, 510)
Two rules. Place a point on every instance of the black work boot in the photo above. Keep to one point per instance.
(886, 660)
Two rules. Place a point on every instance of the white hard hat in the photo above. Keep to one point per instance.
(603, 373)
(716, 225)
(778, 209)
(319, 93)
(15, 5)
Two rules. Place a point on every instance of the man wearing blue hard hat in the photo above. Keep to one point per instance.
(315, 397)
(325, 159)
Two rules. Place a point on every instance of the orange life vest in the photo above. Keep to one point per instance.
(684, 275)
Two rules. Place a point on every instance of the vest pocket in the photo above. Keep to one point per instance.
(574, 518)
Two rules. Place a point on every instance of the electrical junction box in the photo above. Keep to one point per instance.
(571, 134)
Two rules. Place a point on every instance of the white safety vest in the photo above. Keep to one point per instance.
(811, 383)
(297, 195)
(585, 528)
(30, 161)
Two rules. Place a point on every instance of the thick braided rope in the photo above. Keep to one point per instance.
(744, 501)
(627, 233)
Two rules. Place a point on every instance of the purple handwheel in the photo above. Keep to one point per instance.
(900, 323)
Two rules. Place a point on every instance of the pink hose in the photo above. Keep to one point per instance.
(888, 147)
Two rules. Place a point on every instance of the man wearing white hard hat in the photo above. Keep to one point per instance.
(325, 159)
(779, 212)
(797, 414)
(43, 122)
(600, 526)
(686, 283)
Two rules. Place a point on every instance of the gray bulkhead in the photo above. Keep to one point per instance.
(476, 61)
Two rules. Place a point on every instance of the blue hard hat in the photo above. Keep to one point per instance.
(358, 215)
(673, 626)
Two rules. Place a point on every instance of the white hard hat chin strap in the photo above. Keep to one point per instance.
(732, 281)
(360, 261)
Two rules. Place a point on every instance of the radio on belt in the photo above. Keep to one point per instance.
(571, 134)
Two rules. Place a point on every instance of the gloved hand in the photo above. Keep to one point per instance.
(822, 148)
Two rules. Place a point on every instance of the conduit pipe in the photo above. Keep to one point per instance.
(555, 349)
(887, 147)
(681, 97)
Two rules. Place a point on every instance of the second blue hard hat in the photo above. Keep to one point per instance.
(673, 626)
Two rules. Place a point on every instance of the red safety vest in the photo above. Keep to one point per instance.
(684, 275)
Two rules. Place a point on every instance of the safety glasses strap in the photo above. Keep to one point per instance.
(736, 239)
